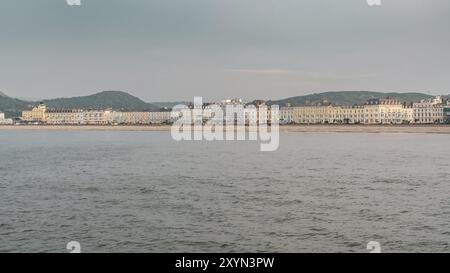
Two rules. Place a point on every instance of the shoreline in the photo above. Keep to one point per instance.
(431, 129)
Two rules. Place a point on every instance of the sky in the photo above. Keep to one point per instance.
(172, 50)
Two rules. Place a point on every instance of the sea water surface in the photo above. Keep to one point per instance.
(144, 192)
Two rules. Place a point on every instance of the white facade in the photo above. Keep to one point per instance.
(64, 117)
(77, 117)
(137, 118)
(429, 111)
(96, 117)
(4, 121)
(159, 117)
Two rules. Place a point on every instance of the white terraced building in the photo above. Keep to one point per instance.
(64, 117)
(5, 121)
(160, 117)
(429, 111)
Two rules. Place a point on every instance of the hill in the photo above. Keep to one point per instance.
(10, 106)
(119, 100)
(116, 100)
(348, 98)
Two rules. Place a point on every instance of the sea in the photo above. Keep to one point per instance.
(120, 191)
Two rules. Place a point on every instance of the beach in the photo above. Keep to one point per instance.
(432, 129)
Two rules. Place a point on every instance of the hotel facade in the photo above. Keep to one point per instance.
(37, 114)
(41, 114)
(377, 111)
(429, 111)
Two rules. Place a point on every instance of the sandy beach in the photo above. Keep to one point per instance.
(434, 129)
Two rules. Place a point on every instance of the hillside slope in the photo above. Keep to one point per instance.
(348, 98)
(116, 100)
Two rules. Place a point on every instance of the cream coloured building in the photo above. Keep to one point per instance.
(346, 114)
(394, 112)
(286, 115)
(138, 118)
(408, 114)
(37, 114)
(311, 114)
(371, 114)
(377, 111)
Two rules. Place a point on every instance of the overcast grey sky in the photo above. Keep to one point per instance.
(176, 49)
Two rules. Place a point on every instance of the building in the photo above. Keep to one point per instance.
(136, 118)
(429, 111)
(77, 117)
(5, 121)
(408, 113)
(228, 112)
(97, 117)
(391, 111)
(262, 111)
(311, 114)
(372, 112)
(387, 111)
(65, 117)
(159, 117)
(116, 118)
(232, 108)
(37, 114)
(376, 111)
(286, 114)
(447, 112)
(346, 114)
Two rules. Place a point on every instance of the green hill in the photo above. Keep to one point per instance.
(348, 98)
(10, 106)
(116, 100)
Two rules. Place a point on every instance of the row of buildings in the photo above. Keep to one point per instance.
(196, 113)
(377, 111)
(41, 114)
